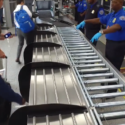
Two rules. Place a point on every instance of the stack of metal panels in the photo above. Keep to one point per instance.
(50, 86)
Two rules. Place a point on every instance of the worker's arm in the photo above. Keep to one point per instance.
(119, 26)
(93, 21)
(82, 14)
(103, 20)
(73, 6)
(112, 29)
(8, 94)
(2, 54)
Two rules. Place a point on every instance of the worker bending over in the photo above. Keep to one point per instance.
(115, 34)
(94, 11)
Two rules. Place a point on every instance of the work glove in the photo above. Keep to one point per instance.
(81, 25)
(123, 7)
(96, 37)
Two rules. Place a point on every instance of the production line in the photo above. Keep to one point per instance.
(65, 79)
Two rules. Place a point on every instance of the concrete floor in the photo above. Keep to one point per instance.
(9, 46)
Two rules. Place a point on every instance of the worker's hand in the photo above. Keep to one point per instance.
(81, 25)
(23, 101)
(2, 55)
(81, 14)
(123, 7)
(2, 37)
(96, 37)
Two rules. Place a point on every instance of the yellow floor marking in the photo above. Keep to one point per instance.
(122, 68)
(121, 91)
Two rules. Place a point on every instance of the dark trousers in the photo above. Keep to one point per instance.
(90, 33)
(76, 14)
(29, 37)
(115, 52)
(80, 19)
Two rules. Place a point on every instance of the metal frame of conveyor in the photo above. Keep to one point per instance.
(93, 72)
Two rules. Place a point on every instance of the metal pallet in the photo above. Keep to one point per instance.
(94, 74)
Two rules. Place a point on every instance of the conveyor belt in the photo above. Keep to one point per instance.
(93, 71)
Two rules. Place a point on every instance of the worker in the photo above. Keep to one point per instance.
(76, 12)
(81, 9)
(6, 92)
(94, 11)
(115, 34)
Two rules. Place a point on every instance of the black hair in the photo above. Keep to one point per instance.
(19, 1)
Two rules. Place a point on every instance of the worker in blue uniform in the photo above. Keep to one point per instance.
(115, 34)
(76, 12)
(6, 92)
(81, 9)
(94, 11)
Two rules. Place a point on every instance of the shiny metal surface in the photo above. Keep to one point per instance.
(101, 81)
(69, 119)
(100, 105)
(54, 38)
(113, 115)
(88, 57)
(104, 87)
(96, 70)
(80, 66)
(97, 75)
(54, 86)
(108, 95)
(52, 54)
(88, 61)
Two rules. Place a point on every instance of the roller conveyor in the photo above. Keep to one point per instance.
(92, 69)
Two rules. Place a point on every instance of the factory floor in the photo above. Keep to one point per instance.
(10, 48)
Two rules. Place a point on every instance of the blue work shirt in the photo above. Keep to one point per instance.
(81, 6)
(101, 11)
(112, 19)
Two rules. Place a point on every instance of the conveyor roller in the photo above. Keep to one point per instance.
(95, 74)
